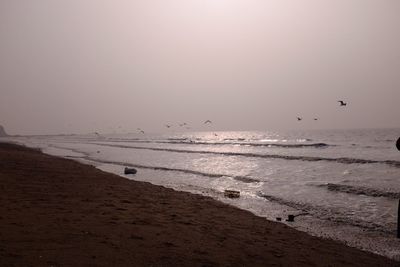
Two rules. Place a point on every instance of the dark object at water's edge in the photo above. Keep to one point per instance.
(231, 194)
(130, 171)
(290, 218)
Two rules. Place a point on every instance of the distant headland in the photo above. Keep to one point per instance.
(2, 132)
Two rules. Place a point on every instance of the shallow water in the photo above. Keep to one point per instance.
(341, 184)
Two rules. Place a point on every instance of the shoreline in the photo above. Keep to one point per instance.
(56, 211)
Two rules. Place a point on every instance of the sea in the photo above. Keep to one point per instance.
(338, 184)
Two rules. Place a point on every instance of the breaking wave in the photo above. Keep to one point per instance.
(228, 141)
(343, 160)
(359, 190)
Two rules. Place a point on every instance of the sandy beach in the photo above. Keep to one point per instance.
(58, 212)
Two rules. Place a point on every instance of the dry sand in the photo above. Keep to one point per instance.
(57, 212)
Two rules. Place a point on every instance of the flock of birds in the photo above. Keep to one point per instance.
(184, 124)
(341, 102)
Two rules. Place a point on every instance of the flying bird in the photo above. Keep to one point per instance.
(182, 124)
(207, 121)
(168, 126)
(342, 103)
(315, 119)
(299, 119)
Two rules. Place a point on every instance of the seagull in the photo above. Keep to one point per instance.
(140, 130)
(168, 126)
(342, 103)
(207, 121)
(299, 119)
(215, 134)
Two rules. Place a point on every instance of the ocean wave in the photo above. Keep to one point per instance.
(359, 190)
(86, 154)
(342, 160)
(234, 139)
(314, 145)
(177, 139)
(185, 141)
(239, 178)
(328, 213)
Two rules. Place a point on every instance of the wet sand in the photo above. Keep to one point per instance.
(58, 212)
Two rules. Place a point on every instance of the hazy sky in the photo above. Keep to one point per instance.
(92, 65)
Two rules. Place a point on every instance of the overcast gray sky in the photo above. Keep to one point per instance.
(92, 65)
